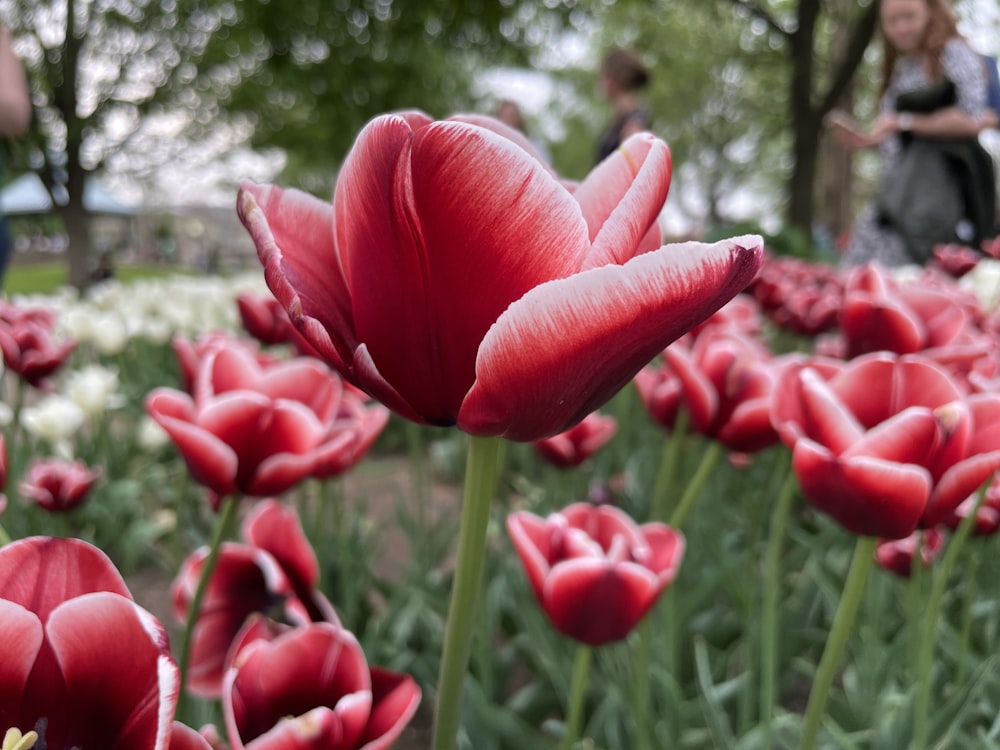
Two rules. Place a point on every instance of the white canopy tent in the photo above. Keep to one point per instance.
(27, 195)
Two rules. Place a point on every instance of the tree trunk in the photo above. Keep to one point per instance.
(76, 220)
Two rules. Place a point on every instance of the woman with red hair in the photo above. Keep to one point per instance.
(933, 99)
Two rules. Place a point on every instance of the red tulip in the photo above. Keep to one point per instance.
(578, 443)
(463, 284)
(800, 296)
(594, 571)
(276, 566)
(956, 260)
(80, 662)
(888, 444)
(724, 380)
(311, 687)
(897, 555)
(880, 314)
(30, 351)
(987, 521)
(252, 429)
(264, 318)
(55, 484)
(190, 354)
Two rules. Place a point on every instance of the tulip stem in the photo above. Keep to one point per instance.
(769, 615)
(577, 693)
(697, 484)
(226, 516)
(932, 613)
(482, 471)
(836, 641)
(4, 536)
(969, 591)
(666, 475)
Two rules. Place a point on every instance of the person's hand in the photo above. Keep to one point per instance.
(886, 126)
(847, 131)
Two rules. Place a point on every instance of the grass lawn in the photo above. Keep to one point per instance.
(46, 278)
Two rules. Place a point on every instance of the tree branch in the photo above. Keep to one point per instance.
(861, 34)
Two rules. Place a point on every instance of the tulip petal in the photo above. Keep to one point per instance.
(477, 224)
(183, 737)
(317, 729)
(317, 665)
(20, 640)
(595, 602)
(40, 573)
(865, 495)
(957, 483)
(294, 236)
(699, 394)
(395, 698)
(907, 438)
(622, 198)
(531, 536)
(568, 346)
(96, 635)
(275, 527)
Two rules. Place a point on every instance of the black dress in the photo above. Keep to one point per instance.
(612, 137)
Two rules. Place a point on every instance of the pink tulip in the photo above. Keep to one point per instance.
(275, 566)
(55, 484)
(30, 351)
(897, 555)
(253, 429)
(460, 283)
(594, 571)
(578, 443)
(312, 687)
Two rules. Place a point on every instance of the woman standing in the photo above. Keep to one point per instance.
(623, 76)
(933, 94)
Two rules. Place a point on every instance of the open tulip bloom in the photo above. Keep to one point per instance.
(459, 282)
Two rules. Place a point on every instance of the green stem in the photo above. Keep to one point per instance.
(666, 475)
(227, 515)
(769, 616)
(577, 692)
(641, 675)
(915, 600)
(931, 615)
(836, 641)
(4, 536)
(482, 471)
(697, 483)
(969, 591)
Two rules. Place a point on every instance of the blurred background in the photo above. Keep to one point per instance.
(148, 113)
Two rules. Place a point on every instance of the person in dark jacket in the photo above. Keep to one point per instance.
(623, 77)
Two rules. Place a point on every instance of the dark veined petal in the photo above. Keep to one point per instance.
(294, 236)
(276, 528)
(566, 347)
(469, 224)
